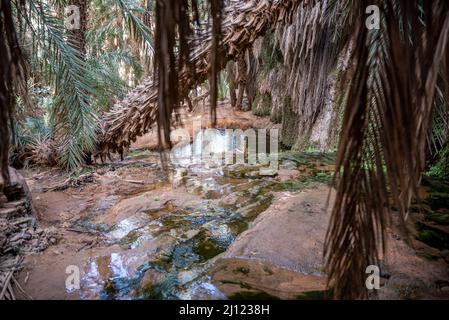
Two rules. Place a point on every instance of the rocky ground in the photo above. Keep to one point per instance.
(20, 234)
(196, 231)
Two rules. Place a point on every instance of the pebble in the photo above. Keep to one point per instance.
(288, 165)
(186, 276)
(27, 236)
(267, 172)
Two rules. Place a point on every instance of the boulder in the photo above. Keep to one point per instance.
(15, 199)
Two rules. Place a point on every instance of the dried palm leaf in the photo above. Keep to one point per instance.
(155, 99)
(388, 114)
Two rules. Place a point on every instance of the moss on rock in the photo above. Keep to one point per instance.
(262, 105)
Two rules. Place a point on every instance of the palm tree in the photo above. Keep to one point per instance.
(78, 66)
(11, 81)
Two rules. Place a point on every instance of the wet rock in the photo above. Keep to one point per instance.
(190, 234)
(206, 247)
(238, 226)
(238, 171)
(110, 288)
(142, 203)
(158, 284)
(254, 279)
(230, 200)
(186, 276)
(201, 290)
(104, 204)
(268, 172)
(291, 239)
(151, 280)
(220, 233)
(127, 229)
(432, 236)
(253, 209)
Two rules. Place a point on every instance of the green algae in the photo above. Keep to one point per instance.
(432, 236)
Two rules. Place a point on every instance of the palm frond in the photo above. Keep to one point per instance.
(388, 114)
(108, 83)
(74, 117)
(311, 47)
(132, 12)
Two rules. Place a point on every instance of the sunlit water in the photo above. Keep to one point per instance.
(180, 245)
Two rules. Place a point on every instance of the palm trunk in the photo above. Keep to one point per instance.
(11, 78)
(77, 37)
(232, 84)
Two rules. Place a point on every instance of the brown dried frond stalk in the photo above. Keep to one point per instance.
(312, 46)
(388, 114)
(243, 22)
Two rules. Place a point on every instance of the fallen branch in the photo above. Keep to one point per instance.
(135, 181)
(21, 289)
(6, 285)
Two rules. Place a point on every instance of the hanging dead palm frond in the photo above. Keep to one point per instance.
(311, 47)
(388, 111)
(388, 115)
(243, 22)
